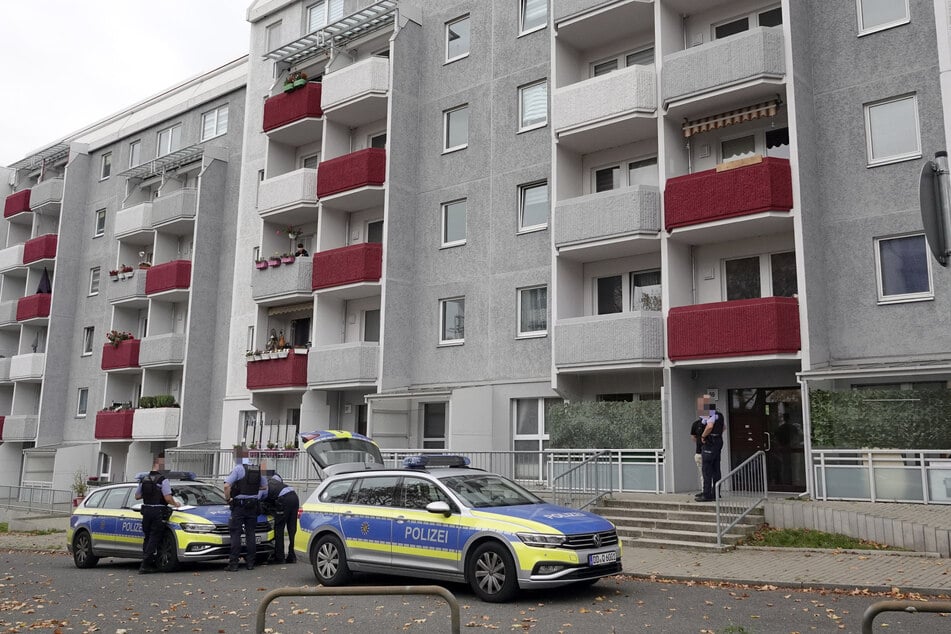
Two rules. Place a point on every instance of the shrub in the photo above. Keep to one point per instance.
(605, 425)
(165, 400)
(146, 402)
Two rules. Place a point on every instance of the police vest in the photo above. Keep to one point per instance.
(274, 488)
(152, 489)
(250, 484)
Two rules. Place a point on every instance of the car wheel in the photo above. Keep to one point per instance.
(329, 561)
(491, 573)
(167, 558)
(83, 556)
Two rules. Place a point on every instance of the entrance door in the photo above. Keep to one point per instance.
(769, 419)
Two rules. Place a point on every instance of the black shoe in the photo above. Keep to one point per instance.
(278, 561)
(232, 567)
(700, 498)
(291, 560)
(147, 570)
(250, 566)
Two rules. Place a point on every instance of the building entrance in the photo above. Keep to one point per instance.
(769, 419)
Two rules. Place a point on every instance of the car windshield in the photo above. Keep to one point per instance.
(198, 494)
(487, 490)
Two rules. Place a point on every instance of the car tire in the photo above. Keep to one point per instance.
(491, 573)
(166, 560)
(83, 555)
(329, 561)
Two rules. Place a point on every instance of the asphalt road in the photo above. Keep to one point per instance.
(45, 592)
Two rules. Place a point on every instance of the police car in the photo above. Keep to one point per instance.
(107, 523)
(436, 518)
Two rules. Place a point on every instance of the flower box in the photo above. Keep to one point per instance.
(274, 262)
(287, 259)
(261, 265)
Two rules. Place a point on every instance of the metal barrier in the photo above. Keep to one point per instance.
(580, 485)
(320, 591)
(920, 476)
(37, 499)
(739, 492)
(911, 607)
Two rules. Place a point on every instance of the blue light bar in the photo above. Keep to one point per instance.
(434, 460)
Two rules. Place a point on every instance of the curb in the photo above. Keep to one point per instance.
(795, 585)
(845, 551)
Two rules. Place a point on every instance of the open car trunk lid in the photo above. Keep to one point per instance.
(336, 451)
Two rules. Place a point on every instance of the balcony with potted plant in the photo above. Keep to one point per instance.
(157, 418)
(122, 351)
(129, 287)
(16, 207)
(115, 423)
(294, 117)
(290, 279)
(353, 181)
(276, 367)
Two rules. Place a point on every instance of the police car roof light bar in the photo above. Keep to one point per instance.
(434, 460)
(171, 475)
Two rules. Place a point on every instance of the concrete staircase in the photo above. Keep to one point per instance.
(662, 522)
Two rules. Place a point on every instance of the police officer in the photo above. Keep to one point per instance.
(156, 493)
(244, 487)
(712, 439)
(286, 504)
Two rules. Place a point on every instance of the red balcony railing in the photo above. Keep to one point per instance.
(291, 371)
(34, 306)
(768, 325)
(357, 169)
(114, 425)
(711, 195)
(168, 276)
(289, 107)
(17, 203)
(348, 265)
(40, 248)
(125, 355)
(2, 418)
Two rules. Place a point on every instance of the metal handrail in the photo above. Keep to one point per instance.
(911, 607)
(36, 499)
(587, 462)
(746, 481)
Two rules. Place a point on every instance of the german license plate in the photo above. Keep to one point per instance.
(599, 559)
(260, 538)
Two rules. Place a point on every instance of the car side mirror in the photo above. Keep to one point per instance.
(137, 507)
(439, 507)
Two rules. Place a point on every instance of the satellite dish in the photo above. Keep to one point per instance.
(933, 196)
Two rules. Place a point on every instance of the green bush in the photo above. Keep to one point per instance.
(605, 425)
(145, 402)
(165, 400)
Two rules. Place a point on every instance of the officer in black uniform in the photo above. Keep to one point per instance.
(712, 439)
(244, 487)
(156, 494)
(284, 500)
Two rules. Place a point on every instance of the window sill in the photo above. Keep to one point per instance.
(892, 160)
(455, 59)
(883, 27)
(532, 30)
(450, 344)
(213, 137)
(905, 299)
(532, 229)
(452, 245)
(455, 149)
(532, 335)
(536, 126)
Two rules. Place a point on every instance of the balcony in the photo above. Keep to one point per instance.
(353, 181)
(125, 356)
(174, 212)
(349, 272)
(130, 291)
(28, 367)
(606, 111)
(47, 197)
(170, 276)
(8, 314)
(17, 205)
(748, 327)
(289, 198)
(595, 342)
(763, 190)
(40, 248)
(11, 258)
(5, 370)
(294, 118)
(20, 428)
(287, 372)
(279, 284)
(114, 425)
(158, 351)
(133, 221)
(345, 365)
(33, 307)
(156, 423)
(608, 224)
(355, 95)
(745, 67)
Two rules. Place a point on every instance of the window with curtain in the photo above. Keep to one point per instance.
(214, 123)
(320, 14)
(533, 311)
(135, 153)
(169, 140)
(533, 105)
(534, 15)
(645, 290)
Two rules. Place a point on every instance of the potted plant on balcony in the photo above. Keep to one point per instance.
(125, 271)
(260, 264)
(287, 258)
(274, 260)
(80, 486)
(289, 83)
(292, 232)
(116, 337)
(114, 274)
(299, 79)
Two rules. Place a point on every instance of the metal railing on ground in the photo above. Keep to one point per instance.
(37, 498)
(739, 492)
(876, 475)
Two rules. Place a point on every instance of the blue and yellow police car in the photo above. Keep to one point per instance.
(107, 523)
(437, 518)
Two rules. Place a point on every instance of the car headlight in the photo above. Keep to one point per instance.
(541, 540)
(198, 528)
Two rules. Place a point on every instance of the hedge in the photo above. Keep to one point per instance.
(605, 425)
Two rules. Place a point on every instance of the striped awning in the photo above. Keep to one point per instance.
(740, 115)
(305, 307)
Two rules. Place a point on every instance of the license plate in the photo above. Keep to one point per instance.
(599, 559)
(260, 538)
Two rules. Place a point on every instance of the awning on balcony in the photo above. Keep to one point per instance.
(740, 115)
(307, 307)
(48, 156)
(165, 163)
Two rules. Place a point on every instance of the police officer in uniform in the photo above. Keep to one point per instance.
(156, 493)
(286, 504)
(244, 487)
(712, 439)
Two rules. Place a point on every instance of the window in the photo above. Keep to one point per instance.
(877, 15)
(452, 320)
(378, 140)
(777, 142)
(82, 402)
(135, 153)
(456, 136)
(89, 334)
(891, 130)
(772, 275)
(645, 290)
(457, 39)
(310, 162)
(610, 295)
(533, 206)
(640, 57)
(169, 140)
(643, 172)
(322, 13)
(533, 311)
(434, 425)
(371, 325)
(250, 341)
(214, 122)
(105, 168)
(530, 435)
(272, 36)
(737, 148)
(454, 223)
(769, 17)
(94, 281)
(375, 231)
(634, 291)
(639, 172)
(100, 222)
(417, 493)
(904, 269)
(533, 15)
(533, 106)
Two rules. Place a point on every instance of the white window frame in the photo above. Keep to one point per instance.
(422, 426)
(94, 280)
(372, 137)
(522, 127)
(765, 271)
(332, 9)
(100, 227)
(216, 114)
(752, 18)
(82, 402)
(135, 153)
(620, 58)
(445, 130)
(442, 325)
(443, 215)
(907, 297)
(522, 189)
(105, 166)
(864, 30)
(89, 332)
(160, 151)
(733, 137)
(271, 33)
(529, 334)
(448, 59)
(521, 19)
(897, 158)
(627, 287)
(623, 166)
